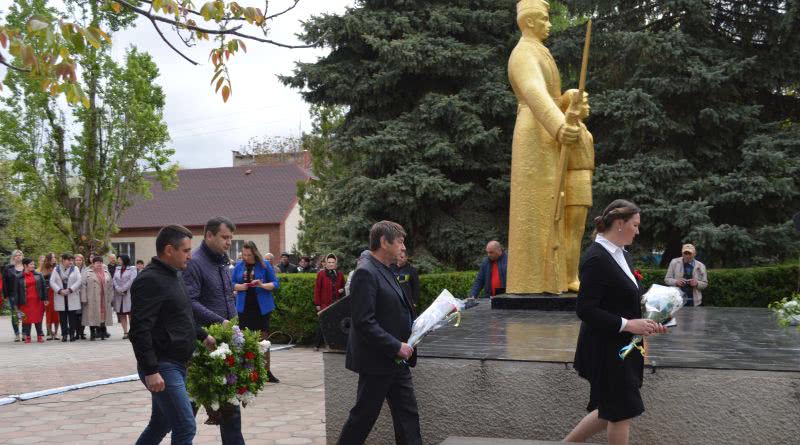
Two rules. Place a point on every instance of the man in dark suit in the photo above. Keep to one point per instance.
(382, 316)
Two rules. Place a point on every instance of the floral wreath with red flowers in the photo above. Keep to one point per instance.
(231, 375)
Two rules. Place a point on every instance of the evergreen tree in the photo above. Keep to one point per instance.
(695, 118)
(427, 135)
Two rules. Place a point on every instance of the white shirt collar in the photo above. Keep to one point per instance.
(618, 253)
(609, 246)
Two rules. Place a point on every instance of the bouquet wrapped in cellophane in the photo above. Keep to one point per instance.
(660, 304)
(445, 309)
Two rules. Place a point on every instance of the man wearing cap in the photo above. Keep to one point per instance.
(689, 275)
(66, 284)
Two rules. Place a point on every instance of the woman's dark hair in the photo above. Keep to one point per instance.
(26, 261)
(251, 246)
(126, 260)
(618, 209)
(97, 259)
(50, 262)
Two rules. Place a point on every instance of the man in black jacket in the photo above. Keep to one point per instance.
(163, 334)
(382, 316)
(408, 277)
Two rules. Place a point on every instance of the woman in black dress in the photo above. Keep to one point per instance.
(610, 309)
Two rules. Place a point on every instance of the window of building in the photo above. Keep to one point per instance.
(236, 248)
(125, 249)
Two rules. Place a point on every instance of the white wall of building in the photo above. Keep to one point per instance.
(292, 229)
(146, 245)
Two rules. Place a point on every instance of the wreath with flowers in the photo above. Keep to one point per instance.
(231, 375)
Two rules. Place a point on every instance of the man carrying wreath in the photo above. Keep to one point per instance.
(163, 334)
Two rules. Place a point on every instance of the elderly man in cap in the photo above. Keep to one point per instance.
(689, 275)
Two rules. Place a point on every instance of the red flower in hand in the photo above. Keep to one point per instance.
(249, 355)
(242, 390)
(230, 360)
(638, 275)
(254, 376)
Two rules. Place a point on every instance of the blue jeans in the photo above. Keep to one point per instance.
(172, 410)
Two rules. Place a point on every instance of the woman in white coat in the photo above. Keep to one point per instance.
(124, 275)
(65, 281)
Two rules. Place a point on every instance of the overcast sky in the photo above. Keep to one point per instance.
(204, 129)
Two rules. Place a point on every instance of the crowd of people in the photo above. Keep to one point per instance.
(67, 293)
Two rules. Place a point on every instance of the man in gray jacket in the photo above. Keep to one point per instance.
(208, 283)
(689, 275)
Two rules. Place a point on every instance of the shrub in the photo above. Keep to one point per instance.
(745, 287)
(748, 287)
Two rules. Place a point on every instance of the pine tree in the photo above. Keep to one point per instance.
(427, 135)
(695, 118)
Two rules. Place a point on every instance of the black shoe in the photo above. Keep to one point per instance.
(63, 338)
(71, 339)
(271, 378)
(83, 336)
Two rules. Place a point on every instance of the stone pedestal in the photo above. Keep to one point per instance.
(536, 302)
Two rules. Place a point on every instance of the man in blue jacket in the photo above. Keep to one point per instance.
(208, 282)
(492, 274)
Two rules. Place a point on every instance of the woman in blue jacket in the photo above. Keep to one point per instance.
(254, 280)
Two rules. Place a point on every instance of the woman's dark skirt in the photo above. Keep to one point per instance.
(251, 318)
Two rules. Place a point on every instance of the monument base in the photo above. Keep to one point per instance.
(536, 302)
(721, 376)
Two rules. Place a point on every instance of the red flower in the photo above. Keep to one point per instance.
(249, 355)
(230, 360)
(242, 390)
(254, 376)
(638, 275)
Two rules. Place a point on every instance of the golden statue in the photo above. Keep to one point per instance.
(551, 166)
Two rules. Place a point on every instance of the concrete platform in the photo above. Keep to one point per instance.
(723, 375)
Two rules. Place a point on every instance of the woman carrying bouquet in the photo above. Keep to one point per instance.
(254, 280)
(609, 308)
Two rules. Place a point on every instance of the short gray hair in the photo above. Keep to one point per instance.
(388, 230)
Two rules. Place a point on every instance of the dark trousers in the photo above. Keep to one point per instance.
(319, 339)
(230, 428)
(171, 410)
(26, 329)
(14, 317)
(69, 323)
(398, 390)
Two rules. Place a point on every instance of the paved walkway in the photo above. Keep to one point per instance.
(292, 412)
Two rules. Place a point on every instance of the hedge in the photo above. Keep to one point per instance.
(296, 319)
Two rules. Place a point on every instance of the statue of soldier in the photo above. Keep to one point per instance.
(544, 240)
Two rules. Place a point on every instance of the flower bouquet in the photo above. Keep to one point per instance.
(444, 309)
(660, 304)
(229, 376)
(788, 311)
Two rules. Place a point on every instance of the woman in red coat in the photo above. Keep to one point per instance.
(31, 296)
(328, 288)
